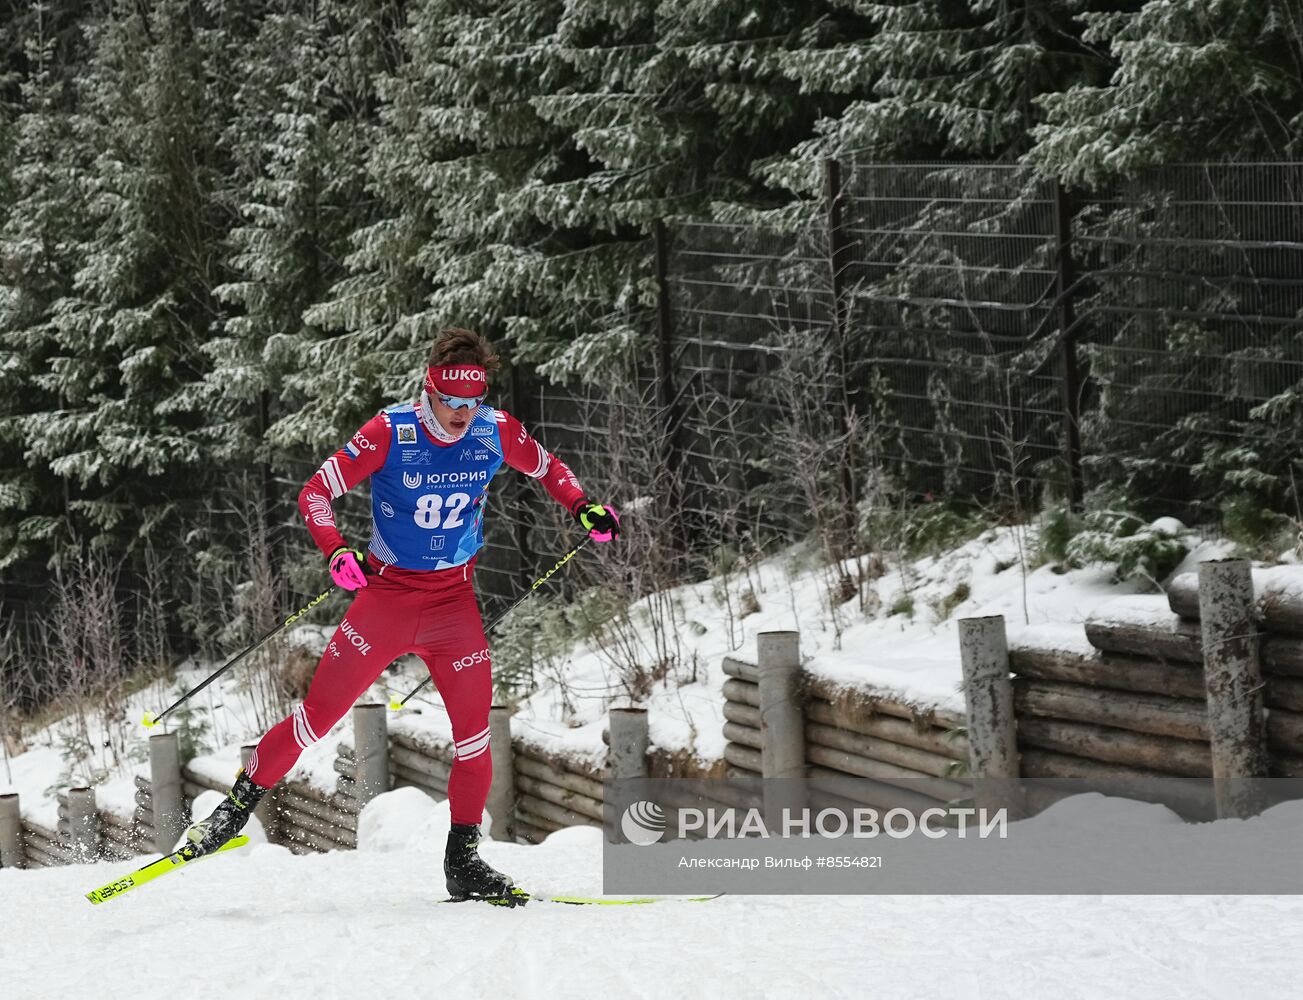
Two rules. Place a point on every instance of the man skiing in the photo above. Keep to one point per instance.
(430, 464)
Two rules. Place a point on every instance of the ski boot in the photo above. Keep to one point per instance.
(225, 821)
(469, 877)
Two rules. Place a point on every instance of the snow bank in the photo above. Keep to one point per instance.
(405, 819)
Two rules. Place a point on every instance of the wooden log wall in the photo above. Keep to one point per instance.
(1133, 697)
(115, 838)
(553, 792)
(45, 848)
(303, 818)
(862, 746)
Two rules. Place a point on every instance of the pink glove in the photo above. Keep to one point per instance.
(600, 521)
(346, 569)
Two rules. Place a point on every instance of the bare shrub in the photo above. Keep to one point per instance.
(814, 441)
(84, 644)
(258, 600)
(643, 648)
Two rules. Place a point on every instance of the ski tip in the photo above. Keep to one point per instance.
(114, 888)
(161, 866)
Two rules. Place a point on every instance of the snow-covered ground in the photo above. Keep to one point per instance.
(262, 923)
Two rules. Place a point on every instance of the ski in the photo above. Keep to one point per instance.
(151, 871)
(519, 897)
(639, 901)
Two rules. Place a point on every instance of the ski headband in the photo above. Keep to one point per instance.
(456, 380)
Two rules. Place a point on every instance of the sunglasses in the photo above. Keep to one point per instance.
(459, 402)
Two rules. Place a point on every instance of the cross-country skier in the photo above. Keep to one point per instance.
(430, 464)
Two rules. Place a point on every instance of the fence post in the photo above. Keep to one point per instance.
(1070, 383)
(371, 750)
(782, 724)
(166, 797)
(666, 391)
(628, 737)
(502, 793)
(664, 320)
(83, 824)
(12, 853)
(992, 724)
(523, 554)
(1233, 679)
(839, 260)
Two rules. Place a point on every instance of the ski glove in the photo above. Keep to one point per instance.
(346, 569)
(601, 522)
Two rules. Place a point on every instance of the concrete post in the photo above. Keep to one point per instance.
(371, 748)
(628, 739)
(168, 802)
(12, 853)
(1233, 679)
(83, 824)
(782, 725)
(502, 793)
(992, 724)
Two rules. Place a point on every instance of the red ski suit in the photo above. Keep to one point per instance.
(432, 613)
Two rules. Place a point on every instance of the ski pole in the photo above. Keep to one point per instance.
(396, 705)
(150, 720)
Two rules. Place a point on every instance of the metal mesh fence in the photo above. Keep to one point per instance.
(965, 332)
(951, 272)
(1195, 310)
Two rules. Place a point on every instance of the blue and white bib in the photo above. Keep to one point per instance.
(427, 500)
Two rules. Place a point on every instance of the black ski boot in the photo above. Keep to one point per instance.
(226, 820)
(467, 874)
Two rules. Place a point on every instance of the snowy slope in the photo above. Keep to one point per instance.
(915, 656)
(262, 923)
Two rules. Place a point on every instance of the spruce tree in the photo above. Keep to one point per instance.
(951, 80)
(128, 435)
(1204, 79)
(300, 131)
(39, 257)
